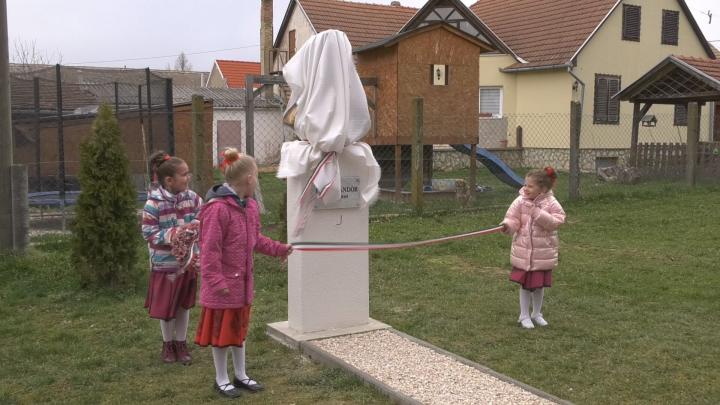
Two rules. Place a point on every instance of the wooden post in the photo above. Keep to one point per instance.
(519, 137)
(117, 101)
(574, 150)
(417, 157)
(200, 175)
(635, 132)
(398, 173)
(693, 137)
(472, 177)
(638, 113)
(249, 115)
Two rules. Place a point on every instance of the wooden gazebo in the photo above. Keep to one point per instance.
(675, 80)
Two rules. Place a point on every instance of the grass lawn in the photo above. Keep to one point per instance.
(633, 312)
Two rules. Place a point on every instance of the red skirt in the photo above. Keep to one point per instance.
(164, 297)
(531, 280)
(223, 327)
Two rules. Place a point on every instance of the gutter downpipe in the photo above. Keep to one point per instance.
(582, 91)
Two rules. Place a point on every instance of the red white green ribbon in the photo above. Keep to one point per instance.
(351, 246)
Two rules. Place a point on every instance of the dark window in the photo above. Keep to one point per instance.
(670, 24)
(680, 119)
(606, 111)
(291, 43)
(631, 23)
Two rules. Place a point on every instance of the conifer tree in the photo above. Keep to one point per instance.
(105, 232)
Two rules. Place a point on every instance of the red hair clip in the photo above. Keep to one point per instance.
(551, 173)
(166, 157)
(225, 161)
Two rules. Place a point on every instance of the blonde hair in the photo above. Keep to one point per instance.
(543, 177)
(235, 164)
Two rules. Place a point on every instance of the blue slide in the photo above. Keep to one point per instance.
(496, 166)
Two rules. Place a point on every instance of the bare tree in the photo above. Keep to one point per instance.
(26, 54)
(182, 63)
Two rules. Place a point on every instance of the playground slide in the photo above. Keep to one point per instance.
(496, 166)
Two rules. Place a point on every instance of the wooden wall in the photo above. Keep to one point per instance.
(403, 73)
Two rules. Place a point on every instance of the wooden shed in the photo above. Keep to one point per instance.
(438, 63)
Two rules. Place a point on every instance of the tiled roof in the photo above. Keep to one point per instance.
(73, 95)
(710, 67)
(222, 97)
(234, 71)
(543, 33)
(363, 23)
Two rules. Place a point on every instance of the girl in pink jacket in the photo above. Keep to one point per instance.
(229, 234)
(532, 220)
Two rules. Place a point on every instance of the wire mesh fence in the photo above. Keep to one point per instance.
(53, 109)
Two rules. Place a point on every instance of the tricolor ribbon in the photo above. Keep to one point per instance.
(351, 246)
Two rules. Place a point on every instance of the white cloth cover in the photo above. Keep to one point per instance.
(331, 117)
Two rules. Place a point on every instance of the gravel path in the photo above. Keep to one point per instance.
(422, 373)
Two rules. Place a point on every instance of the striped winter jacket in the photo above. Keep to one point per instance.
(164, 212)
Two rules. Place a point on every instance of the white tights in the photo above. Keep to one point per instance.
(526, 298)
(220, 360)
(177, 326)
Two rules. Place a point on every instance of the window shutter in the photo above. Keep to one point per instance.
(613, 109)
(670, 26)
(490, 102)
(680, 119)
(631, 23)
(606, 110)
(601, 90)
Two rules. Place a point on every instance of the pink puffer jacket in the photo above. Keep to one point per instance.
(533, 225)
(229, 234)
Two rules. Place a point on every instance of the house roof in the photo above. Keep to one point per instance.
(221, 97)
(389, 41)
(363, 23)
(676, 79)
(550, 33)
(234, 71)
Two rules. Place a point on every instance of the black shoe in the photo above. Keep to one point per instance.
(231, 393)
(248, 385)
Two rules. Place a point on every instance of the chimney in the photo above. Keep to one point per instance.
(266, 36)
(395, 4)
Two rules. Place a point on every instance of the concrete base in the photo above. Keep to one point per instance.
(291, 338)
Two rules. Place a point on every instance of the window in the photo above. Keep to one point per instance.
(491, 102)
(291, 43)
(680, 119)
(670, 24)
(631, 23)
(607, 110)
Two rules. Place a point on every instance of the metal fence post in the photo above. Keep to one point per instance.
(170, 115)
(61, 142)
(575, 122)
(417, 157)
(149, 109)
(200, 175)
(249, 115)
(36, 130)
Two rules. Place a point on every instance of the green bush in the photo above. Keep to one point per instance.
(106, 226)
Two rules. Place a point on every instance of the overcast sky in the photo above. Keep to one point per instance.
(142, 33)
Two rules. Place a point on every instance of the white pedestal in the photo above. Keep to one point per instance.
(327, 290)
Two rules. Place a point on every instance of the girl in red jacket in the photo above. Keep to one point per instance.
(229, 234)
(532, 220)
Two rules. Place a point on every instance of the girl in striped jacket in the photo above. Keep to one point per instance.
(168, 216)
